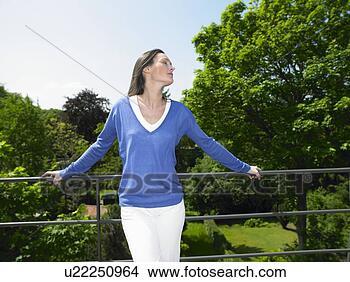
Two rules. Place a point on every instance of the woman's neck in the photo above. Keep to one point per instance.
(152, 96)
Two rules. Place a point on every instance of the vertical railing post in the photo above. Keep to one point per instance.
(98, 218)
(349, 186)
(348, 254)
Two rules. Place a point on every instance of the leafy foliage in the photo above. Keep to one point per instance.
(277, 73)
(255, 222)
(24, 202)
(85, 111)
(332, 230)
(114, 243)
(63, 242)
(23, 129)
(66, 144)
(219, 195)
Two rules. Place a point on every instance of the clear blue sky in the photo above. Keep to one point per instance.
(106, 36)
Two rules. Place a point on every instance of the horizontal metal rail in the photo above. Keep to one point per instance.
(189, 218)
(189, 175)
(266, 254)
(98, 221)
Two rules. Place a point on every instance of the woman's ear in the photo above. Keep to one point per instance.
(146, 70)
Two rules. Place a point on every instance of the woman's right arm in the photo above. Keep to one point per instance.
(94, 153)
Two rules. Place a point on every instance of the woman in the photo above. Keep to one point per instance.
(148, 127)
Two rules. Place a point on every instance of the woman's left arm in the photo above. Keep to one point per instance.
(215, 150)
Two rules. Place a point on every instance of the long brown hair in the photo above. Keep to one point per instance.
(137, 84)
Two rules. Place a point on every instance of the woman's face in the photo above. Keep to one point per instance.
(161, 70)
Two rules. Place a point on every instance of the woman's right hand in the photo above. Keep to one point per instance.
(55, 175)
(254, 172)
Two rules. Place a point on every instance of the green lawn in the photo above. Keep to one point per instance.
(198, 240)
(242, 239)
(265, 239)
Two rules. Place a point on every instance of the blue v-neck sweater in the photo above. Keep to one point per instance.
(149, 177)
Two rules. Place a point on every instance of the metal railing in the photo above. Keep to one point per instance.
(98, 221)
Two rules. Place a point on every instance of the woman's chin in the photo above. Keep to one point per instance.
(169, 82)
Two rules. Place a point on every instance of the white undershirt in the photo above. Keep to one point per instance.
(148, 126)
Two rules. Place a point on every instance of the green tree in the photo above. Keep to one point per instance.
(85, 111)
(3, 92)
(329, 231)
(111, 163)
(23, 128)
(220, 195)
(65, 143)
(25, 202)
(6, 152)
(63, 242)
(277, 72)
(114, 244)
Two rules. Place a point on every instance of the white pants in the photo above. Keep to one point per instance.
(154, 234)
